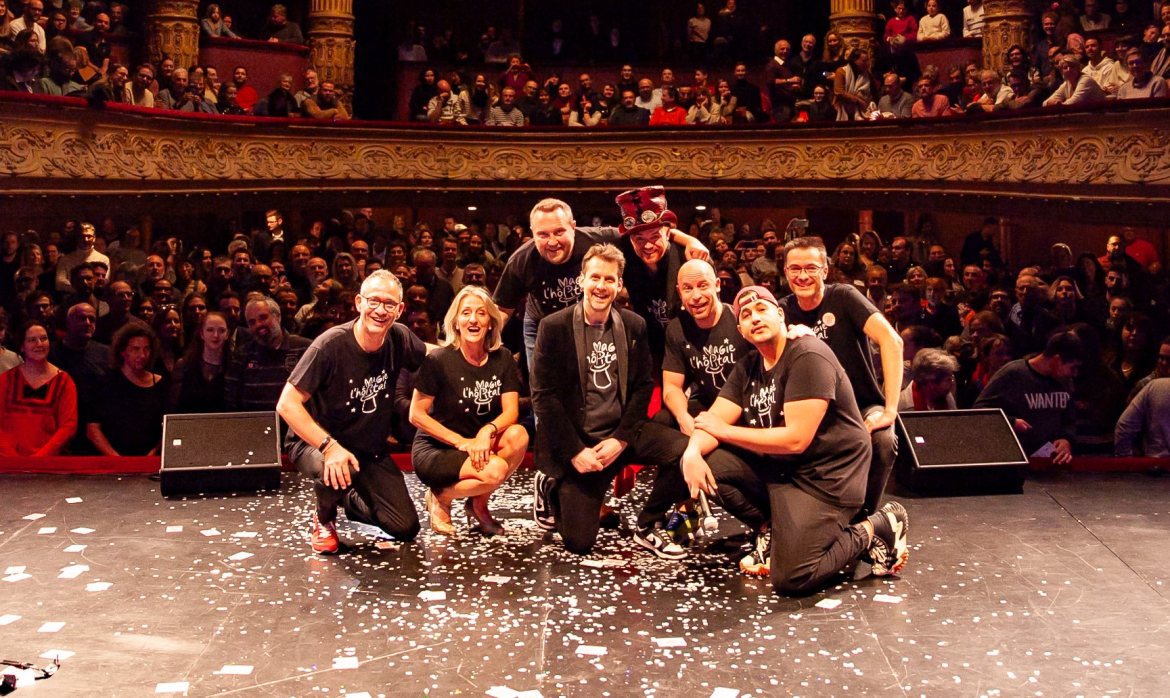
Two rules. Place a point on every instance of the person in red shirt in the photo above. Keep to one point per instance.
(38, 401)
(1141, 250)
(669, 114)
(901, 24)
(246, 95)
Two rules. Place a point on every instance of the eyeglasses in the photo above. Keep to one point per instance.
(376, 303)
(810, 270)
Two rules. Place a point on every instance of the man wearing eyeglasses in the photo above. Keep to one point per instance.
(847, 321)
(338, 403)
(1142, 84)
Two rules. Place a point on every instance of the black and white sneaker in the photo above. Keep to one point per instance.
(653, 540)
(888, 551)
(541, 506)
(758, 563)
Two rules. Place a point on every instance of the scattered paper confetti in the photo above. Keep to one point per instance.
(345, 662)
(33, 517)
(828, 603)
(47, 530)
(8, 619)
(174, 687)
(608, 562)
(98, 586)
(886, 598)
(670, 642)
(82, 531)
(238, 670)
(210, 532)
(433, 595)
(244, 534)
(59, 655)
(724, 693)
(51, 627)
(17, 577)
(75, 548)
(496, 579)
(15, 569)
(72, 571)
(591, 650)
(174, 529)
(73, 500)
(240, 556)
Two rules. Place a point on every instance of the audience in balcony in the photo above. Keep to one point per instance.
(280, 29)
(213, 24)
(895, 103)
(29, 20)
(854, 87)
(1077, 88)
(973, 18)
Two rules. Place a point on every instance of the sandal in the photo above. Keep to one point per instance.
(485, 523)
(440, 516)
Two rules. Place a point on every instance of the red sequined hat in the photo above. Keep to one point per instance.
(644, 209)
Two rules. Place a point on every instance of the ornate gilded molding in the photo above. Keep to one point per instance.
(173, 29)
(72, 150)
(1005, 23)
(332, 45)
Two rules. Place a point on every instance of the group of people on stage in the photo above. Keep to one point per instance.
(771, 408)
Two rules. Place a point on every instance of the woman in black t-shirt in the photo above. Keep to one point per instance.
(466, 401)
(125, 418)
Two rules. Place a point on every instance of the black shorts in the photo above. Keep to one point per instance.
(436, 464)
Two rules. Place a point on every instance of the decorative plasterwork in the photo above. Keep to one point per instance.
(1086, 156)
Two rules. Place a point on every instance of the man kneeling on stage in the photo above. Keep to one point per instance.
(591, 387)
(785, 450)
(337, 403)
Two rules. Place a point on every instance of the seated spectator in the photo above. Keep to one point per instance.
(59, 80)
(669, 114)
(585, 113)
(22, 68)
(125, 417)
(138, 92)
(749, 103)
(854, 87)
(281, 102)
(169, 97)
(325, 105)
(1094, 19)
(447, 107)
(1024, 95)
(245, 96)
(545, 114)
(168, 327)
(1131, 354)
(1036, 395)
(113, 87)
(260, 368)
(506, 113)
(85, 252)
(1077, 87)
(1161, 369)
(213, 24)
(226, 101)
(86, 73)
(934, 24)
(1142, 84)
(199, 386)
(421, 96)
(121, 299)
(932, 383)
(930, 103)
(821, 109)
(993, 93)
(628, 113)
(312, 86)
(1100, 67)
(896, 103)
(30, 21)
(1146, 423)
(993, 352)
(38, 409)
(901, 24)
(648, 98)
(973, 18)
(281, 30)
(702, 112)
(725, 104)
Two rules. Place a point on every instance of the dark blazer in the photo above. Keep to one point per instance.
(558, 383)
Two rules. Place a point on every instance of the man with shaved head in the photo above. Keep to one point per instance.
(703, 345)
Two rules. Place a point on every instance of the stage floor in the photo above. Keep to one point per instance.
(1057, 592)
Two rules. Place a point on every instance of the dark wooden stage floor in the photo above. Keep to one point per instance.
(1060, 591)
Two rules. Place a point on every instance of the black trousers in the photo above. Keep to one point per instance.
(885, 452)
(377, 497)
(661, 444)
(576, 503)
(812, 540)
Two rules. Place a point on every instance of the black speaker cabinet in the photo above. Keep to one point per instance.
(959, 452)
(227, 452)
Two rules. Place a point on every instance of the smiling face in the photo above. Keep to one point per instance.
(806, 272)
(600, 282)
(553, 234)
(35, 346)
(698, 290)
(473, 323)
(215, 332)
(379, 305)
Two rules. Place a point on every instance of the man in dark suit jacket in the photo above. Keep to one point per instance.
(592, 381)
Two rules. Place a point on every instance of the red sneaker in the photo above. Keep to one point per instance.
(324, 537)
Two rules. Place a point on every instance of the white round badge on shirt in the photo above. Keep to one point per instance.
(829, 319)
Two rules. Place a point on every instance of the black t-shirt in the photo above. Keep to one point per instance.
(603, 408)
(466, 397)
(130, 416)
(550, 287)
(840, 321)
(649, 291)
(704, 357)
(834, 466)
(351, 392)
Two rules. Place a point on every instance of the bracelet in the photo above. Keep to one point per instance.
(495, 429)
(326, 443)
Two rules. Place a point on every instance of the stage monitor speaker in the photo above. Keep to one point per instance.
(225, 452)
(960, 452)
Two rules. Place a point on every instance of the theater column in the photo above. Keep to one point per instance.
(172, 28)
(854, 20)
(331, 44)
(1005, 23)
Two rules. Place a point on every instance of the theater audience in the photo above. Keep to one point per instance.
(199, 384)
(38, 401)
(125, 417)
(213, 24)
(1144, 427)
(932, 383)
